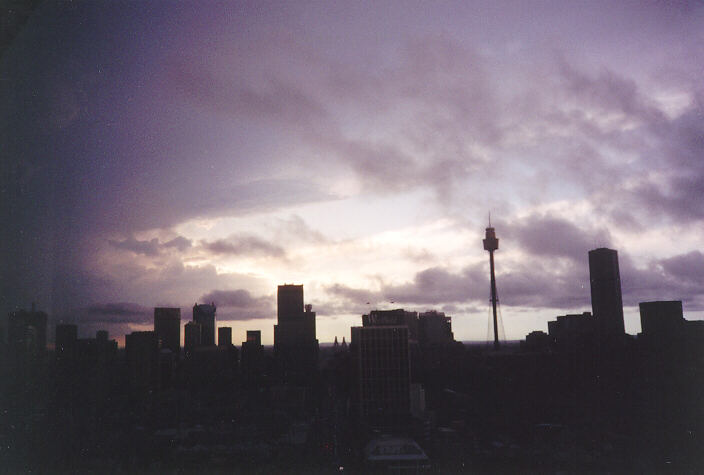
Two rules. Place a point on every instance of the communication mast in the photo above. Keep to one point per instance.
(491, 243)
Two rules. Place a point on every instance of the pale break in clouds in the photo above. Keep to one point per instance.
(166, 153)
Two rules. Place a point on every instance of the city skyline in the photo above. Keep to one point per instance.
(299, 322)
(163, 155)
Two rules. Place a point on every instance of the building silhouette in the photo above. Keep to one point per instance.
(252, 358)
(381, 358)
(192, 338)
(167, 326)
(204, 315)
(142, 356)
(572, 331)
(295, 344)
(661, 319)
(434, 328)
(225, 336)
(605, 280)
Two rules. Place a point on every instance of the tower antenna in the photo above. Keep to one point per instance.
(491, 243)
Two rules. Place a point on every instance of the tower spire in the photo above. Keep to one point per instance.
(491, 243)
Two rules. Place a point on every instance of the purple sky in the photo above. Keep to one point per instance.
(167, 153)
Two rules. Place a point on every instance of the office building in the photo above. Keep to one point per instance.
(192, 338)
(607, 306)
(225, 336)
(434, 328)
(204, 315)
(252, 358)
(295, 343)
(289, 301)
(381, 356)
(572, 331)
(661, 319)
(167, 326)
(142, 355)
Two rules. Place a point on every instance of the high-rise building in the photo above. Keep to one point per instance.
(434, 328)
(192, 338)
(142, 354)
(252, 358)
(289, 300)
(254, 337)
(381, 355)
(295, 344)
(607, 306)
(661, 319)
(167, 326)
(225, 336)
(204, 315)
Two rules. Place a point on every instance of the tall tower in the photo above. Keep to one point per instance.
(167, 326)
(491, 243)
(204, 315)
(605, 281)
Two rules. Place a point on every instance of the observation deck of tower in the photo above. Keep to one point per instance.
(491, 244)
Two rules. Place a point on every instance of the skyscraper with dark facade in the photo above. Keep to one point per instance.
(142, 355)
(381, 358)
(661, 319)
(225, 336)
(204, 315)
(167, 326)
(252, 361)
(191, 338)
(295, 344)
(605, 280)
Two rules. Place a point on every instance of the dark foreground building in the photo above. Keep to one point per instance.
(204, 315)
(167, 326)
(381, 358)
(295, 343)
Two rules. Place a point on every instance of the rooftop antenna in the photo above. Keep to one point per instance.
(491, 243)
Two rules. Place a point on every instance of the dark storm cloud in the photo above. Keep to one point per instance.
(109, 313)
(608, 91)
(526, 284)
(152, 247)
(547, 235)
(274, 99)
(357, 296)
(244, 245)
(240, 305)
(444, 118)
(686, 267)
(437, 285)
(665, 170)
(681, 182)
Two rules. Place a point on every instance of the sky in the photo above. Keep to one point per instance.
(167, 153)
